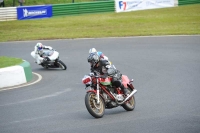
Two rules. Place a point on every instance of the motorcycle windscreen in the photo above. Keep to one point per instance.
(106, 81)
(125, 80)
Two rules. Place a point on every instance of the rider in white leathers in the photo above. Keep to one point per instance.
(38, 51)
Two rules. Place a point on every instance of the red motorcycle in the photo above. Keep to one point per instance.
(102, 95)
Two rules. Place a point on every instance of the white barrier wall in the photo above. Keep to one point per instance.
(133, 5)
(8, 13)
(11, 76)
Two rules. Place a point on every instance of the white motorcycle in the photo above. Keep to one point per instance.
(49, 59)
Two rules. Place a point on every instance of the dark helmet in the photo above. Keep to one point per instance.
(93, 59)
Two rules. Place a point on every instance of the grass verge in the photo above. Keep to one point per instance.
(10, 3)
(9, 61)
(182, 20)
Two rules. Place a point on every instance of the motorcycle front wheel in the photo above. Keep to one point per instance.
(95, 109)
(61, 65)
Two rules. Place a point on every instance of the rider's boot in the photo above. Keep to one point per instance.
(125, 90)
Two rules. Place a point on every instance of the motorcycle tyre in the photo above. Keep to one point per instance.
(127, 106)
(46, 67)
(89, 108)
(61, 65)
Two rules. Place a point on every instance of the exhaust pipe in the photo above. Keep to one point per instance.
(132, 93)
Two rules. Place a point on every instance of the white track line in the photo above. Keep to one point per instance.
(38, 98)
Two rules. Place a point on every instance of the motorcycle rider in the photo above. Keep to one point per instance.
(38, 52)
(102, 67)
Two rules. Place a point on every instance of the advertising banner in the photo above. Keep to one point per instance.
(133, 5)
(34, 12)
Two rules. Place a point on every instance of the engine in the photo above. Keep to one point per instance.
(111, 89)
(106, 97)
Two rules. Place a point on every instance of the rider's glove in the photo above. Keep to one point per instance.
(91, 74)
(87, 85)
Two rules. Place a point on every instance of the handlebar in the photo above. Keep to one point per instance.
(97, 76)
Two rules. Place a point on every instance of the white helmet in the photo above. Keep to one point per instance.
(39, 46)
(92, 50)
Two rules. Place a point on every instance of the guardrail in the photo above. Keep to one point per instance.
(8, 13)
(83, 8)
(187, 2)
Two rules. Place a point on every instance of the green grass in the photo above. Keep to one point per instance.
(9, 61)
(182, 20)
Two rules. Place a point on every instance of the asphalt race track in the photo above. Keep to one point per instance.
(166, 72)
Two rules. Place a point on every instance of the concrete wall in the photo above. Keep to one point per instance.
(15, 75)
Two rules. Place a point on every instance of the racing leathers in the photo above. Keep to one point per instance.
(37, 54)
(104, 69)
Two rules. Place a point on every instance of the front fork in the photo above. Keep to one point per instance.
(97, 91)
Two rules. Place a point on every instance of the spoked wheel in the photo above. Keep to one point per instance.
(61, 65)
(130, 104)
(94, 108)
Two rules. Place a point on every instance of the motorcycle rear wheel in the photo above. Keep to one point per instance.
(62, 65)
(95, 109)
(130, 104)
